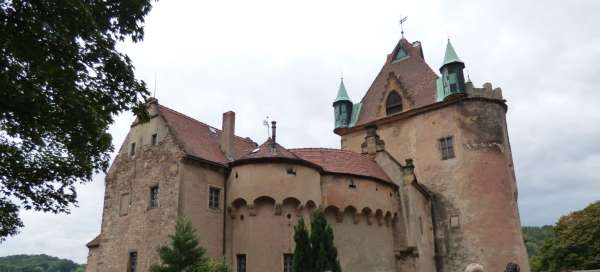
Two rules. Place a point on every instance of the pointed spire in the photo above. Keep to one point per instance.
(450, 55)
(342, 94)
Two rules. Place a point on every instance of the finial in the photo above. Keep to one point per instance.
(154, 94)
(402, 26)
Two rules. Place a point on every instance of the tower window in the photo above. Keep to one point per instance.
(288, 260)
(132, 266)
(241, 262)
(153, 197)
(446, 146)
(401, 54)
(393, 103)
(153, 140)
(214, 195)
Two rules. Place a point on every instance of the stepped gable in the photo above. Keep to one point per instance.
(342, 162)
(200, 140)
(414, 75)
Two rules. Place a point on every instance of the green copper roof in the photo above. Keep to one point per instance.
(342, 95)
(450, 55)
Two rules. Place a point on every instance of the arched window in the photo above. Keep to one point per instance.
(393, 103)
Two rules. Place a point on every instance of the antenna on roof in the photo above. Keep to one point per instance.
(266, 124)
(402, 25)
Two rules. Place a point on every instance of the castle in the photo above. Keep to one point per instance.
(424, 181)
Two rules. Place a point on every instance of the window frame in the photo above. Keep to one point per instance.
(154, 139)
(152, 204)
(288, 257)
(446, 146)
(210, 197)
(132, 266)
(132, 149)
(238, 264)
(393, 107)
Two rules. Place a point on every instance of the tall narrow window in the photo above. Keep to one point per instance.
(153, 197)
(132, 150)
(446, 148)
(132, 266)
(124, 204)
(153, 139)
(214, 195)
(393, 104)
(288, 260)
(241, 263)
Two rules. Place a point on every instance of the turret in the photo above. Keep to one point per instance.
(452, 80)
(342, 107)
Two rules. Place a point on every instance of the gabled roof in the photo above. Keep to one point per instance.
(342, 162)
(413, 73)
(200, 140)
(269, 150)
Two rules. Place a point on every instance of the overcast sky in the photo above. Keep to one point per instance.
(283, 59)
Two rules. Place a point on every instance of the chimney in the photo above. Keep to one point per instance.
(273, 131)
(227, 134)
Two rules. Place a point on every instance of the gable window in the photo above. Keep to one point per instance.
(393, 104)
(401, 54)
(241, 262)
(132, 150)
(153, 197)
(288, 260)
(153, 139)
(132, 266)
(446, 146)
(214, 195)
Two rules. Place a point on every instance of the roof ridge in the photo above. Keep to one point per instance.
(202, 123)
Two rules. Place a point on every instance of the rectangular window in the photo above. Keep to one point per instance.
(241, 263)
(132, 150)
(154, 197)
(214, 195)
(124, 204)
(288, 260)
(447, 148)
(153, 139)
(132, 267)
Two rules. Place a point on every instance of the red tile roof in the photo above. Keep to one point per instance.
(201, 140)
(268, 150)
(415, 76)
(342, 162)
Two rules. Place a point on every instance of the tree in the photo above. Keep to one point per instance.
(61, 83)
(184, 253)
(302, 253)
(575, 244)
(320, 254)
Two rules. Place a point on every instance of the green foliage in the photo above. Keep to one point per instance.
(575, 244)
(317, 251)
(186, 254)
(302, 253)
(534, 238)
(61, 83)
(38, 263)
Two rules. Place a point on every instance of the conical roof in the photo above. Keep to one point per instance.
(342, 94)
(450, 55)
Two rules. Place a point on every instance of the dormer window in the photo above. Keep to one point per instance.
(393, 104)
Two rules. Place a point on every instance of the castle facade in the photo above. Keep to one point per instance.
(424, 181)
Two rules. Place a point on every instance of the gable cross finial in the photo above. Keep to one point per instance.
(402, 25)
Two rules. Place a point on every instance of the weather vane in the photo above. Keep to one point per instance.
(266, 124)
(401, 25)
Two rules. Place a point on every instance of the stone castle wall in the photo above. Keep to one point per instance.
(474, 194)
